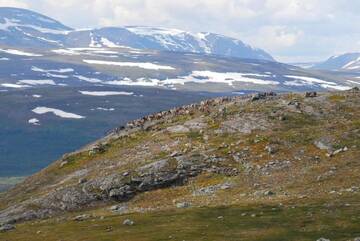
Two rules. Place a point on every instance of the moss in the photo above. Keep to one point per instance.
(337, 98)
(299, 120)
(194, 135)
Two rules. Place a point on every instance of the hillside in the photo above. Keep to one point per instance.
(261, 167)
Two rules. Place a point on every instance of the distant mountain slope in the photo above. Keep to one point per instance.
(23, 29)
(348, 62)
(124, 66)
(20, 27)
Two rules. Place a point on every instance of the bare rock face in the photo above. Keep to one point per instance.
(324, 143)
(245, 124)
(156, 175)
(6, 227)
(192, 125)
(178, 129)
(196, 124)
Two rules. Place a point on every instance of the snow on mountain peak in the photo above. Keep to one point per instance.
(347, 61)
(15, 17)
(20, 28)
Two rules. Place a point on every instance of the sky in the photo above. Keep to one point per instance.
(290, 30)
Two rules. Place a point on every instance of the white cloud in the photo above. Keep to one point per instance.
(13, 3)
(276, 37)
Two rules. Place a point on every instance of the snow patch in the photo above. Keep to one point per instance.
(19, 52)
(90, 80)
(130, 64)
(34, 122)
(200, 77)
(15, 86)
(38, 82)
(304, 81)
(104, 109)
(106, 93)
(61, 71)
(57, 112)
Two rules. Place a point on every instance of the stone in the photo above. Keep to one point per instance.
(82, 180)
(323, 239)
(262, 96)
(195, 124)
(97, 149)
(183, 205)
(64, 163)
(154, 167)
(269, 193)
(324, 144)
(245, 124)
(357, 239)
(312, 94)
(178, 129)
(128, 222)
(81, 218)
(6, 227)
(270, 149)
(119, 209)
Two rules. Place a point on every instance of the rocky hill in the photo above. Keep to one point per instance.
(260, 167)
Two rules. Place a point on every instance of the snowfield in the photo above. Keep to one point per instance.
(34, 122)
(90, 80)
(130, 64)
(200, 77)
(106, 93)
(57, 112)
(19, 52)
(15, 86)
(305, 81)
(104, 109)
(38, 82)
(60, 71)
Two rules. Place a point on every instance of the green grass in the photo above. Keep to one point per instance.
(216, 224)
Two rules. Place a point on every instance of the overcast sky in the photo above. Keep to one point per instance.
(290, 30)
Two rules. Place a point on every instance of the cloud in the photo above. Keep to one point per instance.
(276, 37)
(13, 3)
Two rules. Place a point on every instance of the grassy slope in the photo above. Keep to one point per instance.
(304, 207)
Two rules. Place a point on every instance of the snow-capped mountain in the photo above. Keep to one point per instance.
(344, 62)
(26, 29)
(209, 43)
(20, 27)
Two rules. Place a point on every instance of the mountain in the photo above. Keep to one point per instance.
(258, 167)
(345, 62)
(26, 29)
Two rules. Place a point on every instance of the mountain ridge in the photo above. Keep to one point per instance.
(24, 28)
(343, 62)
